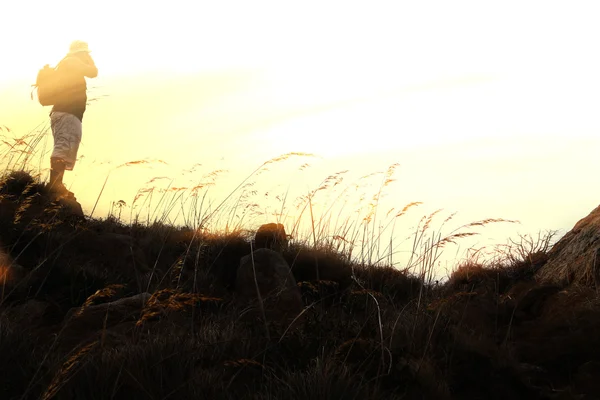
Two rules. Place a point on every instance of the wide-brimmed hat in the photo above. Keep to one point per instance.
(78, 46)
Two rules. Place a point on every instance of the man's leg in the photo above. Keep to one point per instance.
(57, 171)
(66, 130)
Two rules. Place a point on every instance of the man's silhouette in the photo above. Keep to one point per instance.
(67, 113)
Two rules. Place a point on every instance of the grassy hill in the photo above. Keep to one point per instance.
(98, 309)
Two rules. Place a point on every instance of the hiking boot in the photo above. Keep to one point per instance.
(60, 191)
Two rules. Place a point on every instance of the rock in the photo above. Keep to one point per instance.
(106, 314)
(278, 290)
(271, 236)
(113, 320)
(575, 258)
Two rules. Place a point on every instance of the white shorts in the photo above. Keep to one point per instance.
(66, 129)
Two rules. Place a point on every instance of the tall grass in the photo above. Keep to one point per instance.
(25, 152)
(335, 215)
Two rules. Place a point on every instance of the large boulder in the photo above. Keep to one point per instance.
(279, 294)
(98, 316)
(271, 236)
(119, 316)
(575, 258)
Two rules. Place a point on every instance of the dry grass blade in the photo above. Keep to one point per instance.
(141, 162)
(102, 295)
(430, 218)
(286, 156)
(489, 221)
(66, 371)
(452, 238)
(169, 300)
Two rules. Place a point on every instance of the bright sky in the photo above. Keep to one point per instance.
(490, 108)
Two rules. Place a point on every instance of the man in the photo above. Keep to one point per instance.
(66, 116)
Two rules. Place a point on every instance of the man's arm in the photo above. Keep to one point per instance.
(84, 65)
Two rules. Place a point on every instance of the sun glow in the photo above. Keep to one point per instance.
(5, 272)
(458, 92)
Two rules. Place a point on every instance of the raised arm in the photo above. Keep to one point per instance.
(84, 66)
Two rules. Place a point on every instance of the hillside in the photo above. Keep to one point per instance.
(95, 309)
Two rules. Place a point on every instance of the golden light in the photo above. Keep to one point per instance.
(5, 269)
(467, 91)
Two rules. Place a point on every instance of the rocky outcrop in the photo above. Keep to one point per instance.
(575, 258)
(267, 271)
(27, 203)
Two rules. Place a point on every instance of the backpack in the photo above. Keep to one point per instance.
(48, 84)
